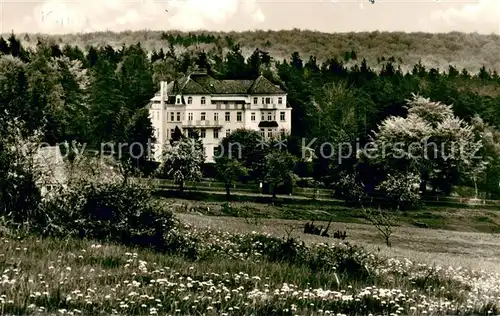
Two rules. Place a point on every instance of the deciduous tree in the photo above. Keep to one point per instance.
(228, 170)
(183, 161)
(280, 165)
(430, 141)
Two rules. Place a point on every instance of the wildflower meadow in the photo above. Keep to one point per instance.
(212, 272)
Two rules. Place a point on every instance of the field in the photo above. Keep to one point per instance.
(257, 207)
(431, 246)
(80, 277)
(247, 264)
(470, 51)
(465, 234)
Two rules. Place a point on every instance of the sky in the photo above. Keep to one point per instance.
(69, 16)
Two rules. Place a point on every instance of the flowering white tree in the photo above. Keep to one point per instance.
(183, 161)
(431, 142)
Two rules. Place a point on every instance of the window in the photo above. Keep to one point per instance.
(270, 133)
(216, 133)
(263, 100)
(262, 117)
(283, 132)
(228, 116)
(255, 100)
(280, 100)
(238, 116)
(203, 133)
(262, 132)
(190, 116)
(190, 100)
(172, 116)
(157, 115)
(228, 132)
(269, 116)
(203, 100)
(268, 100)
(178, 100)
(216, 116)
(253, 116)
(172, 131)
(203, 116)
(282, 116)
(178, 116)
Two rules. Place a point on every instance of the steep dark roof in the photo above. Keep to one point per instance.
(202, 83)
(262, 85)
(195, 87)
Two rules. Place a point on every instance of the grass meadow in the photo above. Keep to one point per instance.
(226, 265)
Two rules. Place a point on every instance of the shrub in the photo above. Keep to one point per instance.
(350, 188)
(113, 212)
(401, 189)
(348, 260)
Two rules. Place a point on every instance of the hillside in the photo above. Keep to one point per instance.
(470, 51)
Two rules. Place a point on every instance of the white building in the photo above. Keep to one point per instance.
(216, 107)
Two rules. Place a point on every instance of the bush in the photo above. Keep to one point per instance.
(401, 189)
(348, 261)
(350, 188)
(114, 212)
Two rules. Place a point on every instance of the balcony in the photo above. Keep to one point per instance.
(202, 124)
(229, 106)
(228, 98)
(267, 107)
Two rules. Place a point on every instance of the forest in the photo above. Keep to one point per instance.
(434, 50)
(98, 94)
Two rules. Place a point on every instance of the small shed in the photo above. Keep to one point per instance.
(50, 168)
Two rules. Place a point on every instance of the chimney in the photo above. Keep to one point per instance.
(163, 96)
(163, 89)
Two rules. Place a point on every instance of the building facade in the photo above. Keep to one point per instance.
(215, 108)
